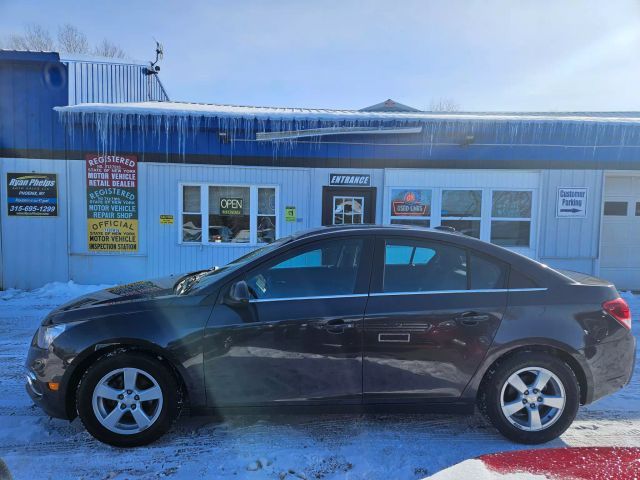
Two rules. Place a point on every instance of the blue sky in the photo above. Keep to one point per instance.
(486, 55)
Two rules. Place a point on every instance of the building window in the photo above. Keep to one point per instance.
(266, 215)
(348, 210)
(232, 214)
(229, 216)
(616, 209)
(511, 218)
(191, 214)
(461, 210)
(411, 207)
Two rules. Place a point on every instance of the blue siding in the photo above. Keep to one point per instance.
(618, 147)
(27, 119)
(32, 84)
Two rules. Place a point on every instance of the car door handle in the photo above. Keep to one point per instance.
(337, 326)
(472, 318)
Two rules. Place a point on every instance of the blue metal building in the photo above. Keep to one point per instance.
(202, 184)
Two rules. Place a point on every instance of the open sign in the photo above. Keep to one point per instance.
(231, 206)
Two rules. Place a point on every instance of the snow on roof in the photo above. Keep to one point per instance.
(286, 113)
(36, 55)
(80, 58)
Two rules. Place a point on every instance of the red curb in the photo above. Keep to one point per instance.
(581, 463)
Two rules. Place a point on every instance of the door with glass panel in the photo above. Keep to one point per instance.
(462, 210)
(348, 205)
(348, 210)
(432, 313)
(300, 337)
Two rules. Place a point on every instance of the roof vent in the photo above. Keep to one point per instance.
(389, 106)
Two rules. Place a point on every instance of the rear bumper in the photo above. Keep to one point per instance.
(611, 364)
(42, 367)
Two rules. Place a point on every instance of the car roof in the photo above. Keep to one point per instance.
(371, 229)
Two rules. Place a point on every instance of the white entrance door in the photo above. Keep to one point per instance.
(620, 241)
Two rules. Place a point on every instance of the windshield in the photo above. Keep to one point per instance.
(260, 251)
(198, 280)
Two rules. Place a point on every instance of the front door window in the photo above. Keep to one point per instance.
(348, 210)
(324, 269)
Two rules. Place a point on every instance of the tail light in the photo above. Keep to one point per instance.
(618, 309)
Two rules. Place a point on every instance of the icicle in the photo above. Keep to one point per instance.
(112, 130)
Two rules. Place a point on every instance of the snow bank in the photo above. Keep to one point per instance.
(56, 291)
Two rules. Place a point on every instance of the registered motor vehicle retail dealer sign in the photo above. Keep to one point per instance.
(571, 202)
(32, 194)
(112, 203)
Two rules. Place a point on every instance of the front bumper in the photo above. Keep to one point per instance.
(42, 367)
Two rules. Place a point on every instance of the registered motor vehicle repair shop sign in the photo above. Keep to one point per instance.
(112, 203)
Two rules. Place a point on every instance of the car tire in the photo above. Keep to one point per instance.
(542, 414)
(128, 399)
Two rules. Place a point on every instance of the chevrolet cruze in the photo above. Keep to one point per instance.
(353, 317)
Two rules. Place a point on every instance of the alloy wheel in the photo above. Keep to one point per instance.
(127, 401)
(532, 399)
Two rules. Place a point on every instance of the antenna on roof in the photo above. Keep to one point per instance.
(153, 67)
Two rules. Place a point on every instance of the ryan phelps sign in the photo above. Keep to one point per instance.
(112, 203)
(32, 194)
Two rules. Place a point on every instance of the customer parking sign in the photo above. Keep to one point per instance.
(571, 203)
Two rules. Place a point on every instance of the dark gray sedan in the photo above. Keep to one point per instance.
(353, 317)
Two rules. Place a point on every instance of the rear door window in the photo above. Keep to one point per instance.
(423, 266)
(486, 272)
(520, 280)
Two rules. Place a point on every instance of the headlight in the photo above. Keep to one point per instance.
(46, 335)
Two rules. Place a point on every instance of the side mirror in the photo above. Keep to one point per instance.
(238, 294)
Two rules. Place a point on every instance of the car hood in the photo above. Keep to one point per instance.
(130, 292)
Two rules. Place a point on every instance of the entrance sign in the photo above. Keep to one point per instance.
(32, 194)
(112, 203)
(571, 203)
(350, 179)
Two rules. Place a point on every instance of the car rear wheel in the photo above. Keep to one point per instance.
(531, 397)
(127, 399)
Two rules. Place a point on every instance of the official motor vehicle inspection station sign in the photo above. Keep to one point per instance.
(112, 203)
(32, 194)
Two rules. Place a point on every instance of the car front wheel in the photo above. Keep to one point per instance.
(127, 399)
(531, 397)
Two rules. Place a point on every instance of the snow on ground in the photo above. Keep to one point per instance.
(262, 447)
